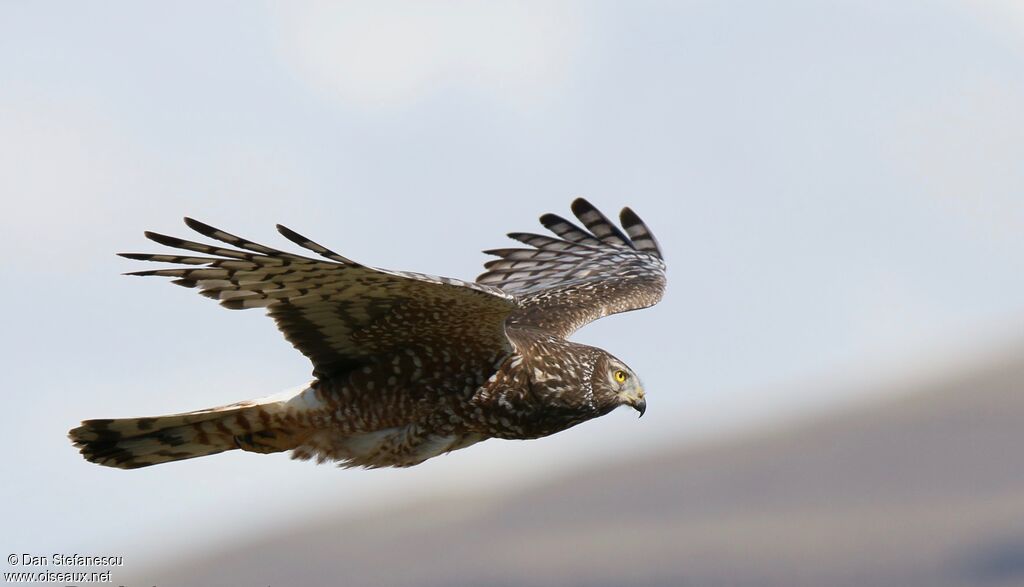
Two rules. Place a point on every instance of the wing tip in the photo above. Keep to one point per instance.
(550, 218)
(581, 205)
(311, 245)
(200, 227)
(598, 224)
(288, 233)
(163, 239)
(639, 233)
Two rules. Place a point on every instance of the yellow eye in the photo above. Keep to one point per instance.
(620, 376)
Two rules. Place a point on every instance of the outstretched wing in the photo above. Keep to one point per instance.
(340, 313)
(564, 283)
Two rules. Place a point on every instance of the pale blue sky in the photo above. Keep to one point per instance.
(839, 188)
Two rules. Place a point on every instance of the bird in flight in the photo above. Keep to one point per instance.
(408, 366)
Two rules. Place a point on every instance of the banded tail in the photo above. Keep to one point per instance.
(262, 426)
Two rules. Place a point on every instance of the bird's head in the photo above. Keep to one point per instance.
(615, 384)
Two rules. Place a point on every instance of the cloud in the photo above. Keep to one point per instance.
(1004, 18)
(395, 52)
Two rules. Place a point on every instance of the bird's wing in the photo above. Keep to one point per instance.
(340, 313)
(585, 274)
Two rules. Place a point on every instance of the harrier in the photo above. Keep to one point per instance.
(408, 366)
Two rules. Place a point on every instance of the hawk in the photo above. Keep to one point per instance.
(408, 366)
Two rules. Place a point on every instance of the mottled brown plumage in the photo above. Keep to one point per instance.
(408, 366)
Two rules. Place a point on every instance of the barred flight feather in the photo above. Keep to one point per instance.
(563, 283)
(592, 218)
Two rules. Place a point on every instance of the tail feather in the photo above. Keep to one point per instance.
(130, 443)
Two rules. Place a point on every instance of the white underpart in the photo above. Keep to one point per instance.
(365, 447)
(434, 446)
(302, 398)
(368, 443)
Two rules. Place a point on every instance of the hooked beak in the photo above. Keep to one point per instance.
(638, 403)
